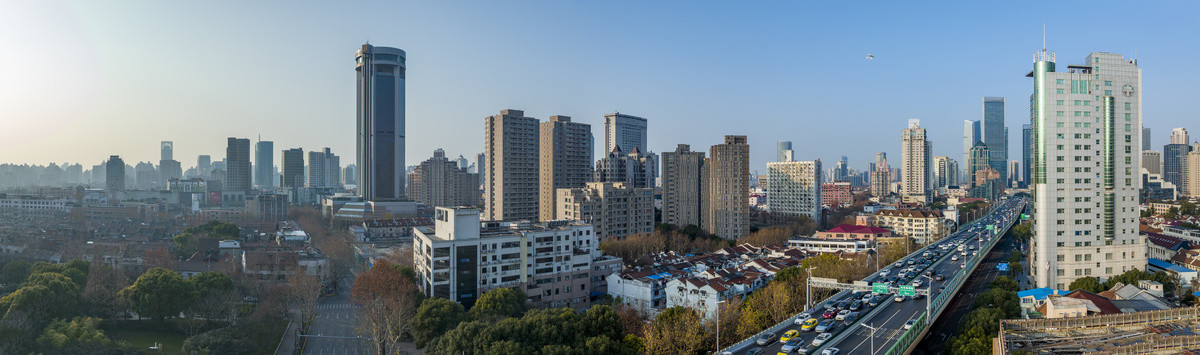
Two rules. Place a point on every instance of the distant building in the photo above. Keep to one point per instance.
(995, 134)
(114, 176)
(726, 182)
(917, 157)
(624, 131)
(324, 169)
(796, 188)
(836, 194)
(635, 169)
(1191, 172)
(1152, 161)
(923, 226)
(293, 168)
(440, 182)
(381, 73)
(850, 231)
(237, 164)
(268, 207)
(264, 164)
(510, 190)
(565, 160)
(615, 210)
(682, 187)
(557, 264)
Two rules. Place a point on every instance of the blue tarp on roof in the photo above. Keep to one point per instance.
(1166, 266)
(1040, 293)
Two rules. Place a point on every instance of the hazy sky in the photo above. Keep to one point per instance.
(83, 80)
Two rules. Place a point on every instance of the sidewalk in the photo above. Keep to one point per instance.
(287, 345)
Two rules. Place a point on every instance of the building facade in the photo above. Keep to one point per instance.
(293, 168)
(995, 134)
(972, 134)
(324, 169)
(439, 181)
(1152, 161)
(795, 188)
(264, 164)
(614, 209)
(682, 187)
(237, 164)
(916, 156)
(565, 160)
(510, 189)
(380, 73)
(922, 226)
(634, 169)
(625, 131)
(1087, 128)
(1191, 172)
(836, 194)
(726, 186)
(114, 174)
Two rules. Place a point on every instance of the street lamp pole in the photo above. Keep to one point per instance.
(808, 289)
(873, 329)
(928, 299)
(719, 324)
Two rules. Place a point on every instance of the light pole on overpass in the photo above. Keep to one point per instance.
(928, 299)
(808, 289)
(719, 324)
(873, 329)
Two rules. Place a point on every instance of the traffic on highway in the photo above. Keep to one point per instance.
(899, 295)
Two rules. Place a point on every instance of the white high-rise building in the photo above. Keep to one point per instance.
(324, 169)
(917, 159)
(626, 131)
(795, 188)
(1087, 126)
(1179, 136)
(945, 171)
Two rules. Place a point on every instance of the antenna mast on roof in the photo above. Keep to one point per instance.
(1043, 36)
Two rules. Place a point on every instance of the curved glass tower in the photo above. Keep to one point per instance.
(380, 108)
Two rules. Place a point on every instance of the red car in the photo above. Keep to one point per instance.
(829, 314)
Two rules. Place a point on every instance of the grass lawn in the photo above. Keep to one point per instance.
(170, 341)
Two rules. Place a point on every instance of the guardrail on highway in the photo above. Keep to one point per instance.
(779, 326)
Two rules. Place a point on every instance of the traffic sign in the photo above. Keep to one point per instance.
(991, 227)
(879, 287)
(1002, 266)
(906, 290)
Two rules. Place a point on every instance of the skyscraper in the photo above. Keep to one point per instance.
(204, 166)
(726, 197)
(293, 168)
(1026, 152)
(565, 160)
(916, 156)
(237, 164)
(783, 151)
(114, 174)
(264, 164)
(634, 169)
(971, 135)
(682, 186)
(1191, 172)
(626, 131)
(166, 150)
(324, 169)
(1152, 162)
(1174, 158)
(1146, 138)
(510, 189)
(995, 134)
(979, 165)
(438, 181)
(881, 176)
(795, 188)
(945, 172)
(168, 167)
(1087, 126)
(381, 169)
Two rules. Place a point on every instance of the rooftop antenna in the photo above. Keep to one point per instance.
(1043, 36)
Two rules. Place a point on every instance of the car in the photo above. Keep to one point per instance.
(766, 339)
(829, 314)
(842, 315)
(898, 298)
(830, 305)
(856, 305)
(809, 325)
(804, 350)
(857, 295)
(918, 283)
(875, 301)
(962, 266)
(791, 345)
(820, 339)
(831, 351)
(910, 323)
(939, 277)
(885, 272)
(825, 326)
(789, 335)
(800, 319)
(902, 274)
(851, 318)
(754, 351)
(910, 262)
(954, 258)
(918, 296)
(842, 305)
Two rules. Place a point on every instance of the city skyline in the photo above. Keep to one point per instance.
(317, 110)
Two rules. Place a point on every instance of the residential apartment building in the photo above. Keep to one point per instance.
(237, 164)
(836, 194)
(917, 159)
(614, 209)
(726, 186)
(635, 169)
(627, 131)
(922, 226)
(682, 187)
(945, 172)
(293, 168)
(114, 174)
(565, 160)
(1191, 172)
(557, 263)
(881, 178)
(795, 188)
(439, 181)
(1174, 159)
(324, 169)
(510, 188)
(1087, 129)
(1152, 161)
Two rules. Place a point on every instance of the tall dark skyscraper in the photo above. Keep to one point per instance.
(1026, 152)
(1146, 139)
(166, 150)
(293, 168)
(264, 164)
(114, 174)
(380, 106)
(995, 135)
(237, 164)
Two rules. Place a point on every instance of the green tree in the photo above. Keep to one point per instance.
(1090, 284)
(1004, 300)
(215, 296)
(499, 303)
(15, 272)
(1005, 283)
(160, 293)
(603, 320)
(75, 274)
(228, 340)
(788, 274)
(43, 297)
(78, 333)
(1187, 208)
(209, 281)
(435, 317)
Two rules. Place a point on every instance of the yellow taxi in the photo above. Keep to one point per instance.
(809, 324)
(789, 335)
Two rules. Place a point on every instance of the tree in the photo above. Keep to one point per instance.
(1005, 283)
(389, 301)
(677, 330)
(43, 297)
(100, 295)
(228, 340)
(435, 317)
(499, 303)
(15, 272)
(1187, 208)
(215, 296)
(304, 291)
(1089, 284)
(160, 293)
(78, 333)
(604, 321)
(1001, 299)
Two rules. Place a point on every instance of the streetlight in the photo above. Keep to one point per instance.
(928, 298)
(719, 324)
(808, 289)
(873, 329)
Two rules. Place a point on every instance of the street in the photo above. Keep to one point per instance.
(333, 330)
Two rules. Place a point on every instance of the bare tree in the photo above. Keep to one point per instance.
(303, 293)
(389, 301)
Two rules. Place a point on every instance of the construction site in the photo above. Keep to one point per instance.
(1170, 331)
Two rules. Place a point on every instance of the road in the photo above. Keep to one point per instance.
(333, 328)
(947, 324)
(889, 316)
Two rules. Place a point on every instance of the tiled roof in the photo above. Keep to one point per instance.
(857, 229)
(1104, 304)
(910, 213)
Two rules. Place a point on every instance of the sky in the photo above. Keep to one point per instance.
(80, 81)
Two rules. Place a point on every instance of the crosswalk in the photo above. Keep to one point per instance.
(335, 306)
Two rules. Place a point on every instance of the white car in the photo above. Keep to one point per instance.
(831, 351)
(820, 339)
(842, 315)
(954, 258)
(910, 323)
(802, 317)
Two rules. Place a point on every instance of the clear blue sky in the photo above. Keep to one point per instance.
(82, 80)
